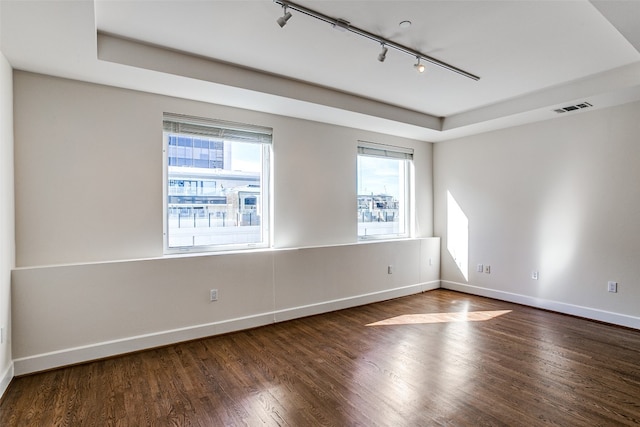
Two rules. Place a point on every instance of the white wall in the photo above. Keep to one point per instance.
(560, 197)
(89, 173)
(7, 241)
(91, 280)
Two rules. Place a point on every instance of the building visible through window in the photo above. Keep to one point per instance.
(216, 184)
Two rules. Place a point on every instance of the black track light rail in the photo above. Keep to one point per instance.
(344, 25)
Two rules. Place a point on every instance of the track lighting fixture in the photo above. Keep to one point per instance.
(282, 21)
(383, 54)
(344, 25)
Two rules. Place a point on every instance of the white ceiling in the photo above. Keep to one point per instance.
(532, 57)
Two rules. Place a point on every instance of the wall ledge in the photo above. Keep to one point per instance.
(213, 253)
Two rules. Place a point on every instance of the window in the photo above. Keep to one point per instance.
(216, 184)
(383, 191)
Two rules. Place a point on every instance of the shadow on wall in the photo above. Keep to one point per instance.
(560, 223)
(458, 235)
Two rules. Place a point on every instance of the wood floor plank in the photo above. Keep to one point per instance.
(439, 358)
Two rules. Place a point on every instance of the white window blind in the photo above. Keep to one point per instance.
(229, 131)
(381, 150)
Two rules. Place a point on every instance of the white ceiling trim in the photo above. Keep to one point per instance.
(135, 54)
(626, 78)
(59, 38)
(331, 106)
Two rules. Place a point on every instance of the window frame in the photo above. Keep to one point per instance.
(405, 210)
(191, 126)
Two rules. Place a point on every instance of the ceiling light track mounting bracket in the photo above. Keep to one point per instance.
(346, 26)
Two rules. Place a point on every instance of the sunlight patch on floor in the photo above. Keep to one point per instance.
(414, 319)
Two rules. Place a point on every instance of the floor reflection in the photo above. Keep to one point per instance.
(422, 318)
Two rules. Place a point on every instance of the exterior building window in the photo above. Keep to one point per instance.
(216, 184)
(383, 191)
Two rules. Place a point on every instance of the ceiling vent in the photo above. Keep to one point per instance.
(573, 107)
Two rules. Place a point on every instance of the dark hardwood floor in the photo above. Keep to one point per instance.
(440, 358)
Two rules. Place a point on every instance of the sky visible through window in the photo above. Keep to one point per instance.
(246, 157)
(378, 175)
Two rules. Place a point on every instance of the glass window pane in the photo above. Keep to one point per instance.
(213, 205)
(382, 197)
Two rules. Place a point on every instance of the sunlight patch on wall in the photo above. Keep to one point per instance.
(458, 235)
(424, 318)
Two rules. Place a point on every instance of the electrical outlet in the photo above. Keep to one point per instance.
(213, 295)
(487, 269)
(534, 275)
(480, 268)
(1, 335)
(390, 269)
(612, 287)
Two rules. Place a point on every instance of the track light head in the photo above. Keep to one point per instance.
(341, 25)
(419, 67)
(383, 54)
(282, 21)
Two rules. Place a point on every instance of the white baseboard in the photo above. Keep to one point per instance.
(560, 307)
(342, 303)
(75, 355)
(5, 379)
(71, 356)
